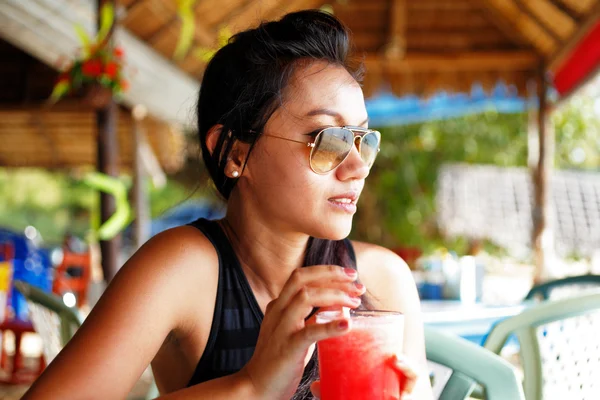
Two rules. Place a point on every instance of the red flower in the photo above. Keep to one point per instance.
(64, 77)
(111, 69)
(92, 68)
(118, 52)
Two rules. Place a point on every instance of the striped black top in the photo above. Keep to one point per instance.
(237, 316)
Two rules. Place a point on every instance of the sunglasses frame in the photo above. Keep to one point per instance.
(362, 132)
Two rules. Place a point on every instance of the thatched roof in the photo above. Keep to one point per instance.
(410, 46)
(65, 136)
(415, 47)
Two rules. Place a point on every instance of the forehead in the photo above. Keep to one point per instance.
(319, 86)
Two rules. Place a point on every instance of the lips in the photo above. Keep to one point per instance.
(345, 198)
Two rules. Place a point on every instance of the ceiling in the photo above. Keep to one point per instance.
(415, 47)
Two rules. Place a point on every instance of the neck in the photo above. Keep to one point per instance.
(268, 255)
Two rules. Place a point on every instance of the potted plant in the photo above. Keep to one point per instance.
(97, 73)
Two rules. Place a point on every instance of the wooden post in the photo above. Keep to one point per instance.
(533, 139)
(396, 46)
(141, 223)
(543, 243)
(108, 163)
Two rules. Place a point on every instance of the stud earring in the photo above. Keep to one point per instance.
(235, 174)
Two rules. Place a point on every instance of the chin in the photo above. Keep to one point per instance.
(333, 228)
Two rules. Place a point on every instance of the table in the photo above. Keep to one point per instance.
(470, 321)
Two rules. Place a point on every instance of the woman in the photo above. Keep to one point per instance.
(220, 308)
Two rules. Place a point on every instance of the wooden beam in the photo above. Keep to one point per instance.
(250, 14)
(505, 26)
(532, 32)
(461, 5)
(583, 28)
(459, 61)
(292, 6)
(455, 40)
(396, 45)
(541, 23)
(565, 9)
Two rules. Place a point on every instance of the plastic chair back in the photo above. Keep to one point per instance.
(559, 347)
(471, 365)
(56, 323)
(51, 318)
(565, 288)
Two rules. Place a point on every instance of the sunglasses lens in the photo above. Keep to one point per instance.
(331, 148)
(370, 147)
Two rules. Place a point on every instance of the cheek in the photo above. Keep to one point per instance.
(283, 178)
(281, 167)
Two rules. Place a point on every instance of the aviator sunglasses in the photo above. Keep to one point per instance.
(331, 146)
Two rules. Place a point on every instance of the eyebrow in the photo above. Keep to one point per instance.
(331, 113)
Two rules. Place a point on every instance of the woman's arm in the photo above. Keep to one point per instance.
(391, 286)
(149, 298)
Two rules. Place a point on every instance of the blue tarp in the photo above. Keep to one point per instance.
(385, 109)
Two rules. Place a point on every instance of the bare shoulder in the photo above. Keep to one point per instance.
(178, 260)
(386, 276)
(163, 288)
(181, 249)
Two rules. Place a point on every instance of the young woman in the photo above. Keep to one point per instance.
(220, 307)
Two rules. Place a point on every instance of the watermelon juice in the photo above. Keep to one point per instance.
(357, 365)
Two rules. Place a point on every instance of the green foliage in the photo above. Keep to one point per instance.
(403, 180)
(577, 126)
(400, 191)
(57, 203)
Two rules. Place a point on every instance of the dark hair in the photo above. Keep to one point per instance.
(244, 84)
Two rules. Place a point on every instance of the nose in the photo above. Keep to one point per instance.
(353, 167)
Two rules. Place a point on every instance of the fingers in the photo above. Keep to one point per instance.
(309, 297)
(406, 374)
(313, 333)
(307, 276)
(315, 388)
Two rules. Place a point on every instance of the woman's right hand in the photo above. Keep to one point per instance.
(285, 337)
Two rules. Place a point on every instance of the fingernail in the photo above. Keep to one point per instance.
(356, 300)
(359, 286)
(350, 272)
(342, 325)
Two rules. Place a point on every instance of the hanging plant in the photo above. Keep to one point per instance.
(206, 54)
(185, 11)
(98, 72)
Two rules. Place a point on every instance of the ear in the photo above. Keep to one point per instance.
(236, 159)
(237, 155)
(212, 137)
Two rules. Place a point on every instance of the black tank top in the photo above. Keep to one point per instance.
(237, 316)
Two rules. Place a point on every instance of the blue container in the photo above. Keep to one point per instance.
(32, 265)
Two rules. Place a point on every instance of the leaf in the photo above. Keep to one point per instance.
(85, 40)
(118, 189)
(188, 27)
(60, 89)
(107, 17)
(224, 36)
(205, 54)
